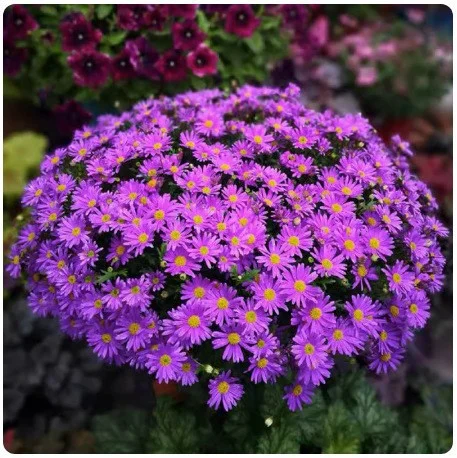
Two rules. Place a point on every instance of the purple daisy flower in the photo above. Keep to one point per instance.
(224, 390)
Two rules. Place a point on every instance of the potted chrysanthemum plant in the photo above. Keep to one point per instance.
(233, 240)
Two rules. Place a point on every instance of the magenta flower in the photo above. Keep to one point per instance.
(18, 22)
(186, 35)
(90, 68)
(297, 395)
(78, 34)
(232, 340)
(296, 285)
(401, 280)
(202, 61)
(225, 390)
(363, 313)
(165, 362)
(241, 20)
(172, 66)
(328, 263)
(309, 349)
(343, 338)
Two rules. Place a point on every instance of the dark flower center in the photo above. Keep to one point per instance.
(188, 33)
(201, 61)
(89, 65)
(241, 18)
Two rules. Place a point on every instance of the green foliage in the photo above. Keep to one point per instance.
(22, 153)
(124, 431)
(344, 417)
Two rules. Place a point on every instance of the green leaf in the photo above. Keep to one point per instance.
(311, 418)
(280, 439)
(114, 38)
(174, 431)
(202, 21)
(339, 433)
(255, 42)
(121, 431)
(371, 417)
(103, 10)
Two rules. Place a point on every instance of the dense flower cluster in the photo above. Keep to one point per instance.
(242, 231)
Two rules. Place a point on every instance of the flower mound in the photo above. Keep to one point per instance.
(242, 232)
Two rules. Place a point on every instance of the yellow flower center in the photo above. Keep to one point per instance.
(159, 215)
(386, 357)
(135, 289)
(180, 261)
(257, 139)
(297, 391)
(71, 279)
(143, 237)
(358, 315)
(327, 264)
(315, 313)
(120, 250)
(269, 294)
(251, 316)
(413, 308)
(396, 278)
(157, 145)
(134, 328)
(235, 241)
(346, 191)
(175, 235)
(261, 363)
(309, 349)
(349, 245)
(198, 219)
(260, 343)
(294, 240)
(362, 271)
(208, 123)
(223, 387)
(76, 231)
(383, 335)
(221, 227)
(165, 360)
(275, 259)
(222, 303)
(374, 243)
(193, 321)
(394, 310)
(299, 286)
(204, 250)
(106, 338)
(199, 292)
(338, 334)
(337, 208)
(233, 338)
